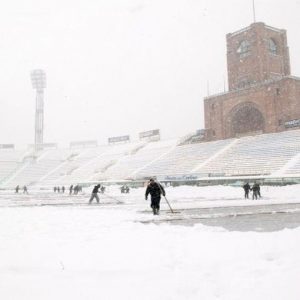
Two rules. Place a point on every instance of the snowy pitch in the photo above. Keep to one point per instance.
(58, 247)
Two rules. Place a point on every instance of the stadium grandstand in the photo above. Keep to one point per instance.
(267, 156)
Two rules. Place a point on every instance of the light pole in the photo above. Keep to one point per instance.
(38, 79)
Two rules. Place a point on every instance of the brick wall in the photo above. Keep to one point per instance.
(277, 101)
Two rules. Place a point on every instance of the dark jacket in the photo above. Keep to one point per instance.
(246, 187)
(155, 190)
(96, 189)
(255, 187)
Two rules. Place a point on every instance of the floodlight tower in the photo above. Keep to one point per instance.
(38, 79)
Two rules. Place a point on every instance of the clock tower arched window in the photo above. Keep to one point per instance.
(244, 49)
(272, 46)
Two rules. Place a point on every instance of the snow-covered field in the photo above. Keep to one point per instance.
(105, 252)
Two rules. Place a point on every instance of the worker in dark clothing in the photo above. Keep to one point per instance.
(155, 189)
(71, 189)
(246, 188)
(258, 191)
(255, 189)
(17, 189)
(25, 191)
(75, 190)
(95, 194)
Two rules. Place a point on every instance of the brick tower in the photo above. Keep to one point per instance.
(262, 96)
(256, 54)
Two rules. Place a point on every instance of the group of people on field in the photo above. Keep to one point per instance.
(155, 189)
(58, 189)
(125, 189)
(25, 190)
(75, 189)
(255, 190)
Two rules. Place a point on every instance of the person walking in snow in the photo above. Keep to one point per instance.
(76, 189)
(95, 194)
(71, 189)
(155, 189)
(17, 189)
(25, 191)
(258, 191)
(255, 189)
(246, 188)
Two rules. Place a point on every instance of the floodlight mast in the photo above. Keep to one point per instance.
(38, 79)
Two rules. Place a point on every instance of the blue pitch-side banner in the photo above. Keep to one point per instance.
(186, 177)
(189, 177)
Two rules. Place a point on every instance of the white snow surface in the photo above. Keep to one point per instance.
(104, 252)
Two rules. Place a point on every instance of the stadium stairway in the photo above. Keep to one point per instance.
(291, 168)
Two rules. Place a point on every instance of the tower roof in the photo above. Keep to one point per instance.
(253, 25)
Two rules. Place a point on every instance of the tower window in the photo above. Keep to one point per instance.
(244, 49)
(272, 46)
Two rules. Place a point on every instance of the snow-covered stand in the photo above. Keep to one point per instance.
(275, 154)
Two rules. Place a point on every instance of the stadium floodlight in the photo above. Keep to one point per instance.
(38, 80)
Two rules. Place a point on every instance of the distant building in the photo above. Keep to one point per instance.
(263, 97)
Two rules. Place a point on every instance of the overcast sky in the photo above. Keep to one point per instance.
(117, 67)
